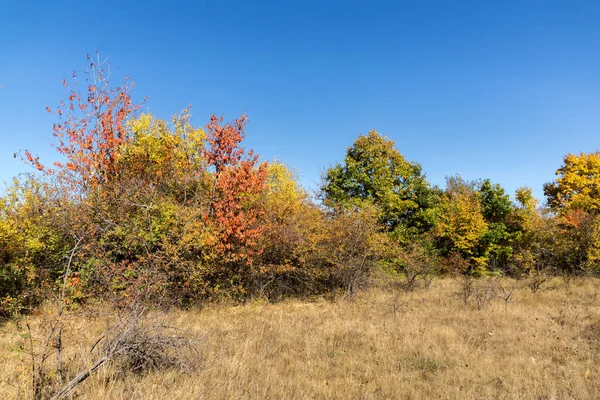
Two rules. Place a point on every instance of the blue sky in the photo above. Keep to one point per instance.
(487, 89)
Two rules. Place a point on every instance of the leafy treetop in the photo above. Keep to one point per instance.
(577, 184)
(374, 170)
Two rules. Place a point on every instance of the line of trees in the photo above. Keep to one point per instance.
(142, 209)
(473, 226)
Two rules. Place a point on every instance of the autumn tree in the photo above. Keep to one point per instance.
(121, 181)
(92, 127)
(188, 219)
(238, 181)
(528, 251)
(375, 171)
(292, 227)
(288, 212)
(31, 248)
(461, 223)
(525, 199)
(575, 196)
(577, 184)
(547, 242)
(164, 195)
(580, 241)
(541, 245)
(352, 246)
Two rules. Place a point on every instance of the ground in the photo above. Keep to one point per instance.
(381, 344)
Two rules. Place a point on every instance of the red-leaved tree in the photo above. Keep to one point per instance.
(91, 129)
(239, 180)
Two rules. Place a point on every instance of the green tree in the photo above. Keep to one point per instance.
(375, 171)
(497, 209)
(496, 204)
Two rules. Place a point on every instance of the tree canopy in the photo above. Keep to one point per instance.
(156, 209)
(577, 184)
(374, 170)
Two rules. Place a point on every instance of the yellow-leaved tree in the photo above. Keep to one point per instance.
(577, 184)
(31, 249)
(461, 223)
(575, 197)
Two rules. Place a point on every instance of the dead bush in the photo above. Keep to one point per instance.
(418, 263)
(505, 292)
(139, 342)
(478, 291)
(134, 341)
(353, 245)
(537, 279)
(466, 287)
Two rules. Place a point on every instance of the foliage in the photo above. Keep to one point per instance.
(497, 210)
(374, 170)
(238, 181)
(577, 184)
(551, 243)
(461, 223)
(310, 250)
(496, 204)
(161, 211)
(292, 228)
(30, 247)
(524, 197)
(90, 131)
(352, 247)
(580, 241)
(575, 196)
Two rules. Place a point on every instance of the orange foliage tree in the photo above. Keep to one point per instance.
(239, 180)
(91, 129)
(153, 205)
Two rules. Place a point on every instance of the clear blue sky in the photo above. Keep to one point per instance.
(486, 89)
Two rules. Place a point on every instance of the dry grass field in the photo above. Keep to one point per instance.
(381, 344)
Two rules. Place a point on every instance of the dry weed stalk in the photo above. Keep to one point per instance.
(505, 292)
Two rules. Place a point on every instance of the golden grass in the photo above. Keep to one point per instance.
(379, 345)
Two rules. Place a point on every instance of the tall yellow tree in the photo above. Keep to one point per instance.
(461, 223)
(577, 184)
(575, 195)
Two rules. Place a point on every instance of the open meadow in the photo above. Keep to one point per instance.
(382, 343)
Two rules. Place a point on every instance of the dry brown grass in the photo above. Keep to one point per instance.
(421, 345)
